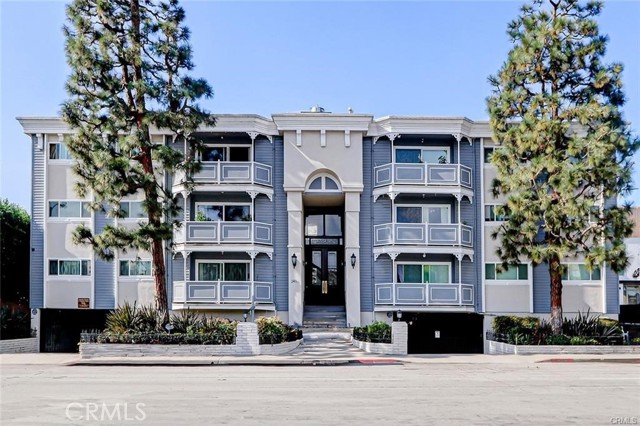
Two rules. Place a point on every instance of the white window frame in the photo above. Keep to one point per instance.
(135, 277)
(423, 148)
(589, 282)
(399, 263)
(58, 160)
(501, 281)
(71, 277)
(223, 205)
(422, 207)
(129, 218)
(323, 187)
(205, 261)
(65, 218)
(491, 147)
(227, 152)
(489, 219)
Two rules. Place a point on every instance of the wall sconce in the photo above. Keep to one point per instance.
(294, 260)
(245, 315)
(353, 260)
(399, 314)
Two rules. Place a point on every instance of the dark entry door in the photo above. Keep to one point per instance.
(324, 284)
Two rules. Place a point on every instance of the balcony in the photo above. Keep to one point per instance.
(409, 294)
(229, 234)
(222, 294)
(230, 176)
(423, 234)
(421, 178)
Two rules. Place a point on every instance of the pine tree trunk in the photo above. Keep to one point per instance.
(555, 273)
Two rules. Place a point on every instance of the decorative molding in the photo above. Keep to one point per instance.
(393, 255)
(253, 135)
(376, 256)
(375, 139)
(393, 136)
(40, 141)
(252, 194)
(347, 138)
(252, 254)
(298, 137)
(323, 138)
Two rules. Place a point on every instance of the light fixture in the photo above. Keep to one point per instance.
(245, 316)
(294, 260)
(353, 260)
(399, 314)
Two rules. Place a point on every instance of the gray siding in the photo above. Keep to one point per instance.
(263, 209)
(280, 229)
(36, 287)
(611, 291)
(366, 229)
(383, 269)
(104, 272)
(541, 289)
(263, 268)
(263, 151)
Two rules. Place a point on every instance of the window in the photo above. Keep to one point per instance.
(491, 213)
(422, 273)
(579, 272)
(318, 225)
(432, 155)
(133, 210)
(135, 268)
(323, 183)
(223, 271)
(488, 152)
(59, 151)
(69, 267)
(229, 213)
(423, 214)
(226, 153)
(518, 272)
(69, 209)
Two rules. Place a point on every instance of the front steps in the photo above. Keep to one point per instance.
(317, 318)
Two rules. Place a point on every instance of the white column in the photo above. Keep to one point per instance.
(352, 246)
(296, 244)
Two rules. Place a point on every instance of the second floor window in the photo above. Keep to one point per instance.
(422, 273)
(77, 209)
(423, 214)
(133, 210)
(491, 213)
(579, 272)
(226, 153)
(518, 272)
(223, 271)
(432, 155)
(70, 267)
(135, 268)
(223, 212)
(59, 151)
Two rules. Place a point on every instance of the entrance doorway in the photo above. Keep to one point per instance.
(324, 253)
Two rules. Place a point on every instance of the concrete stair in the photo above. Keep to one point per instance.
(333, 318)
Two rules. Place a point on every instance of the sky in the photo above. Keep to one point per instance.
(382, 58)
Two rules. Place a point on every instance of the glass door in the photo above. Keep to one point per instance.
(323, 283)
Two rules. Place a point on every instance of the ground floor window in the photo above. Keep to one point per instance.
(492, 271)
(132, 268)
(421, 273)
(69, 267)
(223, 271)
(580, 272)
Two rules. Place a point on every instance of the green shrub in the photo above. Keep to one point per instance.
(150, 319)
(635, 341)
(271, 330)
(222, 338)
(376, 332)
(557, 340)
(123, 319)
(581, 340)
(14, 323)
(186, 322)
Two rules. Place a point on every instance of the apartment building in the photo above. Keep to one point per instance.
(319, 218)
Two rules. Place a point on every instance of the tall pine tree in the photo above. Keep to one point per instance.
(129, 61)
(566, 150)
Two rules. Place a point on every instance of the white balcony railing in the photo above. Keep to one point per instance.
(219, 232)
(231, 172)
(424, 174)
(221, 292)
(429, 234)
(423, 294)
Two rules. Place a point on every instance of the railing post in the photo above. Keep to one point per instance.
(251, 171)
(219, 291)
(393, 291)
(252, 291)
(460, 293)
(218, 172)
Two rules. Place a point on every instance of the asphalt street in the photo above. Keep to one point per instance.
(520, 392)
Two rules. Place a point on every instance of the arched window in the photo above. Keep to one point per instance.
(323, 183)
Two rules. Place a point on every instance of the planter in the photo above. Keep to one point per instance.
(12, 346)
(499, 348)
(398, 345)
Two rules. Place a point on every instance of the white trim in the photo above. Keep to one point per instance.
(227, 152)
(150, 276)
(422, 148)
(483, 229)
(45, 206)
(201, 261)
(425, 263)
(422, 206)
(90, 264)
(323, 189)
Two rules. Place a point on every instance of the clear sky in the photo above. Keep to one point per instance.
(383, 58)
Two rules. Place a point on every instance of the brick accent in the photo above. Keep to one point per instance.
(19, 345)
